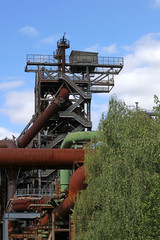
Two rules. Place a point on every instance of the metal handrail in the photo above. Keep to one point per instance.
(111, 60)
(63, 40)
(35, 192)
(37, 58)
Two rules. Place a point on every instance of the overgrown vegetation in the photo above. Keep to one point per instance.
(122, 200)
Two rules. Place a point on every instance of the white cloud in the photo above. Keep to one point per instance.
(10, 85)
(19, 106)
(110, 49)
(52, 39)
(156, 3)
(102, 50)
(140, 78)
(6, 133)
(29, 31)
(93, 48)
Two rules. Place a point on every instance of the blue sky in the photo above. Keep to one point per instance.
(113, 28)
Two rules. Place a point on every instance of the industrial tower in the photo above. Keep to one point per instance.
(82, 73)
(64, 83)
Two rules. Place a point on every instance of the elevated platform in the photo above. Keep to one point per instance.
(49, 60)
(90, 72)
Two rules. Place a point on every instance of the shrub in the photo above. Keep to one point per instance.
(122, 200)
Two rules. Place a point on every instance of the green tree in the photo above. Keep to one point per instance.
(122, 200)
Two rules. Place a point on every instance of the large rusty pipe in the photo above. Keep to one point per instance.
(43, 118)
(39, 158)
(75, 186)
(21, 204)
(11, 174)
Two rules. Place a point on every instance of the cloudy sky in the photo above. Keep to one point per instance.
(128, 29)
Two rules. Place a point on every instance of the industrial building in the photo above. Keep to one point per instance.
(42, 170)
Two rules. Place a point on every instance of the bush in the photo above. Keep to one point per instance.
(122, 200)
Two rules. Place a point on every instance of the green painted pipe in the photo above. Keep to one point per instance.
(64, 179)
(75, 137)
(70, 139)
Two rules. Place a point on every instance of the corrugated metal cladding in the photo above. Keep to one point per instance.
(83, 57)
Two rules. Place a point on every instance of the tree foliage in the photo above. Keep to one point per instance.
(122, 200)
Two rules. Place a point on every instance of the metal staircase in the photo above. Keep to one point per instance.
(74, 86)
(74, 115)
(76, 104)
(57, 140)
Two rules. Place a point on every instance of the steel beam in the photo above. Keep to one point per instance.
(13, 216)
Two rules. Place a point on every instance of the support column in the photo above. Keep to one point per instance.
(5, 227)
(63, 60)
(12, 175)
(12, 216)
(53, 226)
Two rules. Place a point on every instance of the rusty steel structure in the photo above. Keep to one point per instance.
(35, 169)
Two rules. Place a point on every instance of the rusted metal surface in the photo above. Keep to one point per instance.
(31, 158)
(22, 204)
(72, 228)
(53, 228)
(44, 220)
(63, 44)
(22, 236)
(63, 60)
(76, 184)
(7, 144)
(11, 189)
(44, 117)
